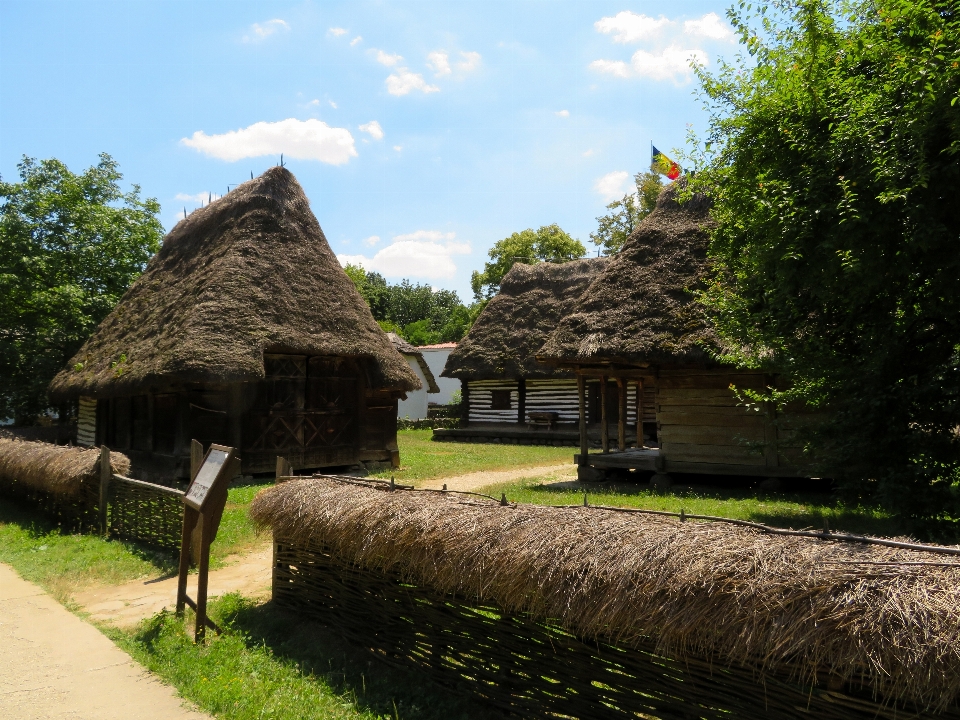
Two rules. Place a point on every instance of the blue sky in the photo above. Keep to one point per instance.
(422, 132)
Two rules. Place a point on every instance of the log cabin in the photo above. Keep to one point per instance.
(639, 329)
(508, 393)
(244, 331)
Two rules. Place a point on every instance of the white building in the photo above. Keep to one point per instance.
(436, 357)
(415, 406)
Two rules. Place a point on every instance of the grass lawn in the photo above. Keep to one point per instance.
(423, 459)
(795, 510)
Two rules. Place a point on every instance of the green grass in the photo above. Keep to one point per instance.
(795, 510)
(271, 664)
(423, 459)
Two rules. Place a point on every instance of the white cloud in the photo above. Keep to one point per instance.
(332, 104)
(200, 197)
(298, 139)
(398, 148)
(373, 129)
(261, 31)
(613, 186)
(388, 59)
(709, 26)
(470, 62)
(337, 31)
(628, 27)
(562, 113)
(314, 102)
(372, 240)
(588, 153)
(425, 254)
(404, 81)
(673, 63)
(356, 40)
(439, 62)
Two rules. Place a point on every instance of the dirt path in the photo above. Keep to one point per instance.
(55, 666)
(476, 480)
(126, 605)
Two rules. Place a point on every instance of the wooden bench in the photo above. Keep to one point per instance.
(540, 419)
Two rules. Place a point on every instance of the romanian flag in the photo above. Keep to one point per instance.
(662, 164)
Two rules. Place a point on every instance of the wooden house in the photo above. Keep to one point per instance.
(638, 326)
(243, 330)
(415, 405)
(507, 392)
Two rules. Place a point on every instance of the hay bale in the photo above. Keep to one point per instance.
(56, 469)
(810, 610)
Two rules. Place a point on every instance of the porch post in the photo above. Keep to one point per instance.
(622, 419)
(604, 430)
(582, 396)
(640, 413)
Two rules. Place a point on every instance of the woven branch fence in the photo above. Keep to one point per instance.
(527, 608)
(66, 483)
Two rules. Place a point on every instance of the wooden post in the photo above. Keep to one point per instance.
(464, 403)
(604, 430)
(640, 413)
(521, 401)
(105, 474)
(582, 396)
(192, 529)
(203, 566)
(196, 538)
(284, 469)
(622, 415)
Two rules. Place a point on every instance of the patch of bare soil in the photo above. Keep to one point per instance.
(474, 481)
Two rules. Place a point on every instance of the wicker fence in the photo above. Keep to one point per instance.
(533, 668)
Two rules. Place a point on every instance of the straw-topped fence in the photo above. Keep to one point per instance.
(592, 612)
(66, 482)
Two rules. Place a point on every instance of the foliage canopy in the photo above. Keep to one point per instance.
(626, 213)
(832, 160)
(547, 244)
(70, 245)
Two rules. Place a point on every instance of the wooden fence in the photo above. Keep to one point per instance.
(536, 669)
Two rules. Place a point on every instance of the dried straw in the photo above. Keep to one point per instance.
(780, 605)
(56, 469)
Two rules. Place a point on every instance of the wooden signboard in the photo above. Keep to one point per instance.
(204, 501)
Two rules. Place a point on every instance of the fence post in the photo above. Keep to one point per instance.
(105, 473)
(196, 537)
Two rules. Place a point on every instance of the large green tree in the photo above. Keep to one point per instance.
(625, 214)
(832, 160)
(70, 245)
(547, 244)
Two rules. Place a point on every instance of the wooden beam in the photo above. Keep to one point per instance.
(604, 430)
(622, 415)
(582, 396)
(640, 413)
(105, 474)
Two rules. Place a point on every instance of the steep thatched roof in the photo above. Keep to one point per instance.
(249, 273)
(405, 348)
(641, 309)
(883, 618)
(515, 324)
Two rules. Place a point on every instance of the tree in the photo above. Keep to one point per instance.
(70, 245)
(548, 244)
(614, 228)
(832, 162)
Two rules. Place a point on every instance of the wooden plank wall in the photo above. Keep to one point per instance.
(701, 420)
(87, 422)
(559, 396)
(481, 395)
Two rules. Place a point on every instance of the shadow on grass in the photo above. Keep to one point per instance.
(349, 670)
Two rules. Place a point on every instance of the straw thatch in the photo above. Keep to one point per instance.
(56, 469)
(532, 300)
(249, 273)
(405, 348)
(641, 308)
(812, 610)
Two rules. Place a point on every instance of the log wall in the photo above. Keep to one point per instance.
(481, 400)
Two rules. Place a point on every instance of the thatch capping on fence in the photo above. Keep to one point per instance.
(515, 324)
(250, 273)
(642, 308)
(812, 610)
(56, 469)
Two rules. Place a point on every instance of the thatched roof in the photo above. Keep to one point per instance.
(505, 337)
(641, 308)
(249, 273)
(789, 606)
(405, 348)
(56, 469)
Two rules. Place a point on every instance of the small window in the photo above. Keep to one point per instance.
(500, 400)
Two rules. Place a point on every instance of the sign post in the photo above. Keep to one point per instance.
(203, 507)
